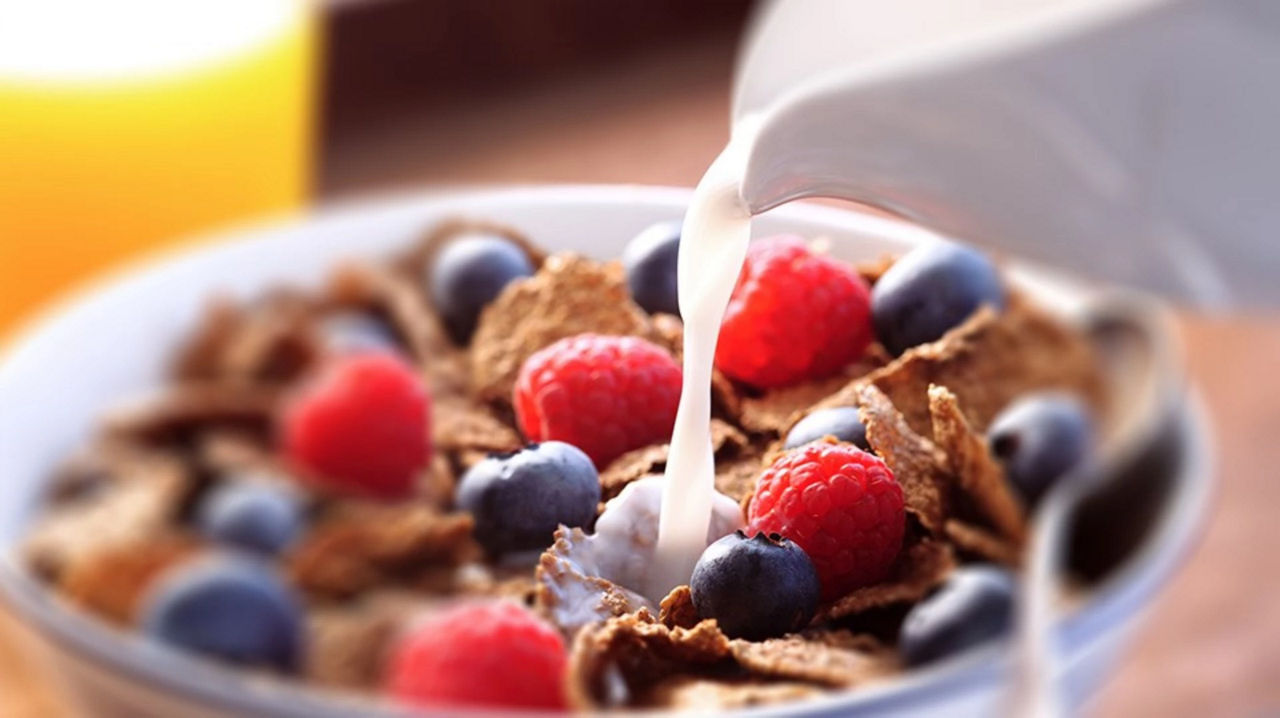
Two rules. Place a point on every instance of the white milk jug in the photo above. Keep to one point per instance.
(1134, 141)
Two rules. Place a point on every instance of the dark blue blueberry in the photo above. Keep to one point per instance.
(973, 607)
(468, 273)
(1039, 439)
(230, 608)
(519, 499)
(650, 261)
(352, 332)
(757, 587)
(842, 422)
(252, 515)
(928, 291)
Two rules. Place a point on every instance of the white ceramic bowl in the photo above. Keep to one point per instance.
(109, 342)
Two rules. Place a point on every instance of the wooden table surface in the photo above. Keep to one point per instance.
(1211, 644)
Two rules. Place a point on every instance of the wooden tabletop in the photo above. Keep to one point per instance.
(1211, 644)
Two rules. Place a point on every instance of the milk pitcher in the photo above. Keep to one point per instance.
(1131, 141)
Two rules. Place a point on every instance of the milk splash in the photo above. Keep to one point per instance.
(713, 247)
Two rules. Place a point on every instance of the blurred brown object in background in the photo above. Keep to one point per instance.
(386, 56)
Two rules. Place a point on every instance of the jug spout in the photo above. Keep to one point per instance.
(1136, 145)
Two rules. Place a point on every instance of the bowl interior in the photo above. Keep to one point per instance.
(111, 340)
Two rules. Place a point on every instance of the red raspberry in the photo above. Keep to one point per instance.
(605, 395)
(841, 505)
(361, 427)
(794, 315)
(481, 654)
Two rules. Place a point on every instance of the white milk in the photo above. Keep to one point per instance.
(713, 247)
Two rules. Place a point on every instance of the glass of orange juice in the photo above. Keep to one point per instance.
(126, 123)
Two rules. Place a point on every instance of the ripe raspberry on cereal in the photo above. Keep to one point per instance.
(841, 505)
(491, 653)
(362, 427)
(794, 315)
(605, 395)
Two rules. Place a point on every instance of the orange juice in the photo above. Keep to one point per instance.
(127, 123)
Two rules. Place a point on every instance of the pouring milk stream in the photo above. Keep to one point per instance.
(1059, 130)
(718, 224)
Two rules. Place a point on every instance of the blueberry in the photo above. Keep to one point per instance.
(928, 291)
(1039, 438)
(351, 332)
(842, 422)
(519, 499)
(757, 587)
(468, 273)
(650, 261)
(252, 515)
(230, 608)
(974, 606)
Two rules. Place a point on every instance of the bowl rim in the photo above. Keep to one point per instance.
(83, 637)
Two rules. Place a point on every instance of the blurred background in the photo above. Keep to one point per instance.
(292, 105)
(257, 108)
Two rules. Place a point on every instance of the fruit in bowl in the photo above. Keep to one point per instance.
(386, 528)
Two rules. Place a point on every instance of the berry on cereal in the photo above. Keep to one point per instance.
(230, 608)
(931, 289)
(362, 427)
(841, 505)
(518, 499)
(492, 654)
(251, 514)
(974, 606)
(842, 423)
(468, 273)
(650, 262)
(755, 588)
(1038, 439)
(605, 395)
(794, 315)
